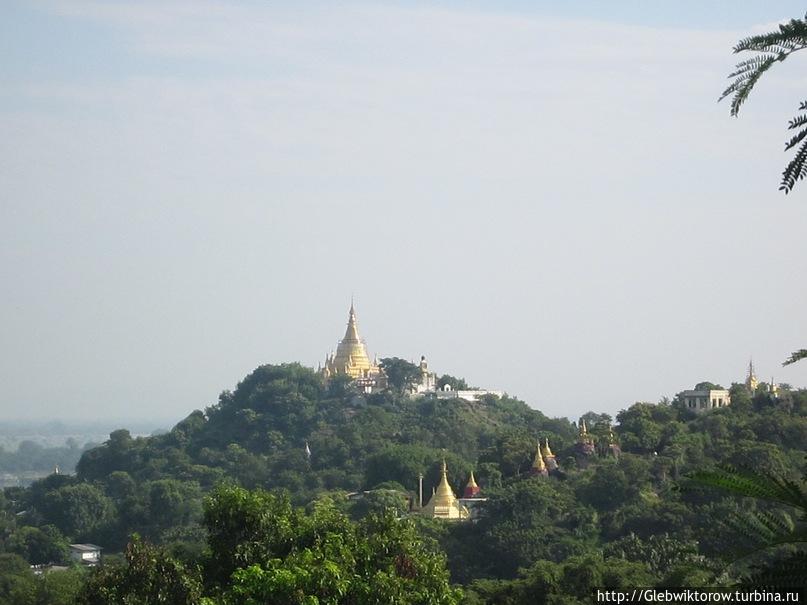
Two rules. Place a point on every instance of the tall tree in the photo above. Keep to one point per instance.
(401, 374)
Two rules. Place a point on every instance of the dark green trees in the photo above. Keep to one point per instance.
(149, 576)
(264, 550)
(38, 546)
(400, 373)
(78, 510)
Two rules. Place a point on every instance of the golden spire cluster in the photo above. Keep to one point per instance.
(544, 461)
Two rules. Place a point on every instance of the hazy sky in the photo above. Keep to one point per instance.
(543, 199)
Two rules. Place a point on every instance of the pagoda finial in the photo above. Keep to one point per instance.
(584, 437)
(471, 488)
(352, 332)
(538, 464)
(751, 381)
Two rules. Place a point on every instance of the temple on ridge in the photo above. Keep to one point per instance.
(351, 359)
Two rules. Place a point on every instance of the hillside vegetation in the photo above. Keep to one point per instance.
(630, 521)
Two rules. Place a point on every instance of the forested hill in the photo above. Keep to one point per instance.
(617, 521)
(257, 435)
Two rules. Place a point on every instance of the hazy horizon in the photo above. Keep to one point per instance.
(545, 200)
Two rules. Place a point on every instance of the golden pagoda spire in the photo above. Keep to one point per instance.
(443, 503)
(352, 332)
(471, 481)
(351, 354)
(444, 495)
(545, 451)
(538, 465)
(751, 381)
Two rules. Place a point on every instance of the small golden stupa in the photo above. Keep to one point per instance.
(538, 464)
(443, 503)
(751, 381)
(549, 457)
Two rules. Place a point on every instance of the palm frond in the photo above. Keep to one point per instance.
(800, 354)
(753, 485)
(744, 69)
(755, 528)
(797, 122)
(797, 138)
(789, 571)
(788, 38)
(746, 79)
(770, 48)
(795, 170)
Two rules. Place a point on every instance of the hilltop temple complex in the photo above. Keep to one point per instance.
(752, 383)
(352, 360)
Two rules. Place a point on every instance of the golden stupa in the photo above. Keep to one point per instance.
(443, 503)
(538, 464)
(351, 356)
(751, 381)
(548, 456)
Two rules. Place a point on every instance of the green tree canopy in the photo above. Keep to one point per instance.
(400, 373)
(265, 551)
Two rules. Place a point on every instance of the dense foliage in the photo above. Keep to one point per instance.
(603, 520)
